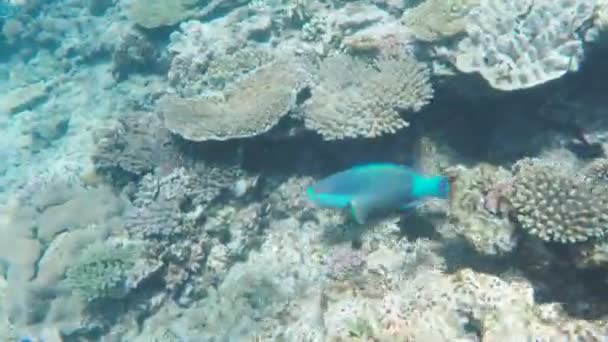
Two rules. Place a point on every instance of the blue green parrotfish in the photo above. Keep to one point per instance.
(377, 188)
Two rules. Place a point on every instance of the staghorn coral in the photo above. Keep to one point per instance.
(556, 206)
(519, 44)
(358, 100)
(433, 20)
(251, 107)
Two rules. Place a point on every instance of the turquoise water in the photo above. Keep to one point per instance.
(155, 157)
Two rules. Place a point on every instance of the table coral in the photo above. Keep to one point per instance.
(249, 108)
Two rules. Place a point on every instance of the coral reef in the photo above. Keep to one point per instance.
(203, 60)
(520, 44)
(555, 206)
(133, 53)
(477, 214)
(433, 20)
(354, 100)
(134, 145)
(251, 107)
(158, 13)
(102, 270)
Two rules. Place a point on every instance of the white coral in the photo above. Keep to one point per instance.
(517, 44)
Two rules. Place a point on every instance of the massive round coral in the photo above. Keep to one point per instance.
(556, 206)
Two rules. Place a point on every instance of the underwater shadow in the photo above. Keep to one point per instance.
(551, 271)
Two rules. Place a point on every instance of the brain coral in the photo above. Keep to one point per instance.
(250, 107)
(518, 44)
(557, 207)
(354, 99)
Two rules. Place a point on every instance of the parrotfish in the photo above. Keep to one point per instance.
(377, 188)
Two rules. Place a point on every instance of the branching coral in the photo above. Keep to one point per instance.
(556, 206)
(354, 99)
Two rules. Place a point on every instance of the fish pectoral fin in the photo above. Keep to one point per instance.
(359, 213)
(360, 207)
